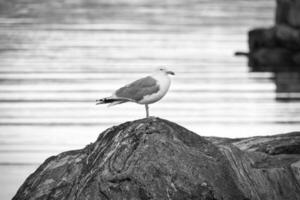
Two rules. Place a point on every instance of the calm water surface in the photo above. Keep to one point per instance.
(57, 57)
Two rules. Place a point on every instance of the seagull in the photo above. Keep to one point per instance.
(147, 90)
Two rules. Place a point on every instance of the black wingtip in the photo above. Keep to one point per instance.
(105, 100)
(99, 101)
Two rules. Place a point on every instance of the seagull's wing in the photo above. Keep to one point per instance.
(138, 89)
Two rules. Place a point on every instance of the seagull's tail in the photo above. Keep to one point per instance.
(111, 101)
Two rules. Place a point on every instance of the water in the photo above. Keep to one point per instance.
(57, 57)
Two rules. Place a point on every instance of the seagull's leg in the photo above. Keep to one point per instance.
(147, 110)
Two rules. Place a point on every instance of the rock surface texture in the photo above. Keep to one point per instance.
(157, 159)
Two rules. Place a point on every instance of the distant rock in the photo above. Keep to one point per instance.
(157, 159)
(277, 48)
(288, 12)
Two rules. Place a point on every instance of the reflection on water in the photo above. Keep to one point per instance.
(287, 86)
(57, 57)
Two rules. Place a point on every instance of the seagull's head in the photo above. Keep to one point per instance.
(165, 71)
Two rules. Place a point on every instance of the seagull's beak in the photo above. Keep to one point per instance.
(170, 72)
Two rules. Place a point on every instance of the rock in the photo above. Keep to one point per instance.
(262, 37)
(157, 159)
(288, 12)
(272, 145)
(276, 48)
(282, 10)
(275, 37)
(287, 37)
(293, 17)
(265, 59)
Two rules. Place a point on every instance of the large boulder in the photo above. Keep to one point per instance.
(156, 159)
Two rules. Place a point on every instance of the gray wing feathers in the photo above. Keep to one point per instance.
(138, 89)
